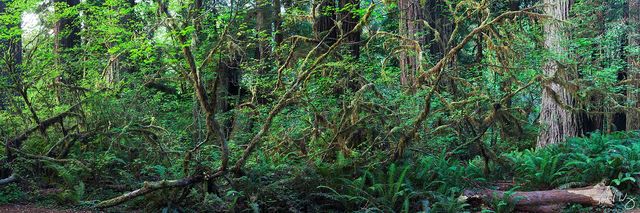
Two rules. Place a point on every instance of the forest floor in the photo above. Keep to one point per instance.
(17, 208)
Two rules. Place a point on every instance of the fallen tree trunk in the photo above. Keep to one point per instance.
(149, 187)
(545, 201)
(12, 178)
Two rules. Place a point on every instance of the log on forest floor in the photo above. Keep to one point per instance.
(12, 178)
(545, 201)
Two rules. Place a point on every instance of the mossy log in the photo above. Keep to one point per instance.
(149, 187)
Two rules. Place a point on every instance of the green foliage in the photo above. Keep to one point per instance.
(141, 115)
(11, 193)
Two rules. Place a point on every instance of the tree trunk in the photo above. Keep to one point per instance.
(349, 20)
(13, 46)
(324, 26)
(11, 53)
(557, 120)
(115, 67)
(633, 70)
(277, 22)
(67, 37)
(409, 26)
(546, 201)
(436, 13)
(263, 26)
(228, 90)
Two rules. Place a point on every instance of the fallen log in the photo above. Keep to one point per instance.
(12, 178)
(545, 201)
(149, 187)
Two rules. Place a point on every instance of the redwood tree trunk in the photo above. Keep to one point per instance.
(67, 37)
(409, 26)
(633, 95)
(324, 25)
(277, 21)
(349, 20)
(557, 121)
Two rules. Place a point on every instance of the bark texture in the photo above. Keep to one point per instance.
(11, 55)
(546, 201)
(349, 21)
(409, 26)
(633, 95)
(557, 120)
(67, 36)
(324, 24)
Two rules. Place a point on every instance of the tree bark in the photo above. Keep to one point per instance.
(12, 178)
(437, 15)
(409, 26)
(324, 25)
(264, 22)
(557, 121)
(12, 46)
(633, 70)
(277, 21)
(349, 19)
(11, 52)
(546, 201)
(67, 37)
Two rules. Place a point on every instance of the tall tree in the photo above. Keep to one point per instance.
(277, 21)
(10, 62)
(409, 26)
(115, 68)
(67, 37)
(557, 120)
(324, 25)
(633, 71)
(349, 18)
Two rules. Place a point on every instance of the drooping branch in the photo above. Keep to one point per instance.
(285, 100)
(207, 105)
(44, 125)
(483, 25)
(437, 70)
(16, 141)
(50, 159)
(287, 97)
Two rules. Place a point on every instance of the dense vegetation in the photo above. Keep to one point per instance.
(317, 106)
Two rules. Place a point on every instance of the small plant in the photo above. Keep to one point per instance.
(505, 204)
(539, 169)
(11, 193)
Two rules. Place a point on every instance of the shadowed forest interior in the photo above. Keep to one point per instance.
(320, 105)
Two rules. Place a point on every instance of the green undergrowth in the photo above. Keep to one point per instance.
(428, 183)
(433, 183)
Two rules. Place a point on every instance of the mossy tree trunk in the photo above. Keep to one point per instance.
(557, 119)
(10, 62)
(409, 25)
(633, 71)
